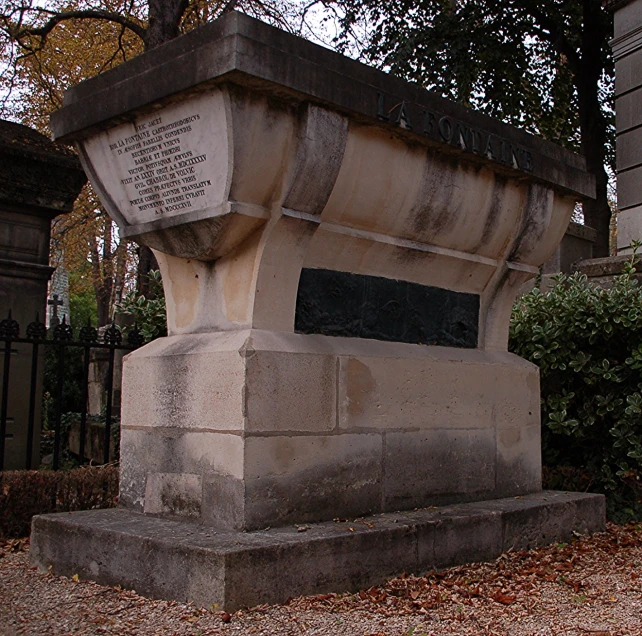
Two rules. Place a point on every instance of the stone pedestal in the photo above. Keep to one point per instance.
(340, 252)
(248, 429)
(38, 181)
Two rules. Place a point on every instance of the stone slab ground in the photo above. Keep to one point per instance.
(187, 562)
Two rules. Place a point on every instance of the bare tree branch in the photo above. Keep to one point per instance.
(120, 49)
(93, 14)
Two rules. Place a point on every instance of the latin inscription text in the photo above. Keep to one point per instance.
(161, 174)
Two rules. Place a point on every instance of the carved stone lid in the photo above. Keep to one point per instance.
(239, 50)
(20, 139)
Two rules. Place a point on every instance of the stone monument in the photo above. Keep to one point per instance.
(340, 251)
(38, 181)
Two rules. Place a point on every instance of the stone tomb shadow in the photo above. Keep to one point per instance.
(340, 252)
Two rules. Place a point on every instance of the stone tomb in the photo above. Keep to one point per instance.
(340, 252)
(38, 181)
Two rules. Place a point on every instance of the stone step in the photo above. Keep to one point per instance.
(183, 561)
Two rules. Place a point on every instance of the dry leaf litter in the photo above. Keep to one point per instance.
(590, 587)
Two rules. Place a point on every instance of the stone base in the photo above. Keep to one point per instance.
(245, 429)
(189, 562)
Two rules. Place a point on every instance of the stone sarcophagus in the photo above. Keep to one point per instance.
(340, 252)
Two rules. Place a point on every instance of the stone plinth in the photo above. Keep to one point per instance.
(38, 181)
(230, 570)
(340, 253)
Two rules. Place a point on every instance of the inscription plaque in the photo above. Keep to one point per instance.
(158, 165)
(335, 303)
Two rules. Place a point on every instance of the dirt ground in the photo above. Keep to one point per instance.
(590, 587)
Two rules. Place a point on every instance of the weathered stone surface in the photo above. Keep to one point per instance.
(194, 383)
(174, 495)
(187, 562)
(626, 77)
(36, 172)
(285, 392)
(149, 452)
(623, 18)
(628, 149)
(600, 267)
(628, 114)
(629, 190)
(239, 47)
(603, 271)
(577, 245)
(629, 229)
(465, 535)
(435, 466)
(296, 479)
(178, 160)
(518, 463)
(437, 390)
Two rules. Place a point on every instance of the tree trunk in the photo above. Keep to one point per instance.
(102, 298)
(597, 213)
(146, 263)
(164, 21)
(593, 125)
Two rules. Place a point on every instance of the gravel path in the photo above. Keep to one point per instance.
(592, 587)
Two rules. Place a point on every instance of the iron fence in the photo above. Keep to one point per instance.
(61, 339)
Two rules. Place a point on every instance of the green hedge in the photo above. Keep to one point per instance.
(25, 493)
(587, 342)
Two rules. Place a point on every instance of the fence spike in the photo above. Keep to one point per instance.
(134, 337)
(88, 334)
(63, 331)
(37, 330)
(112, 335)
(9, 328)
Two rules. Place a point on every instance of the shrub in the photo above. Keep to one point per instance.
(587, 342)
(25, 493)
(148, 313)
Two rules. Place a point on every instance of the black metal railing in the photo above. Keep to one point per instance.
(61, 339)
